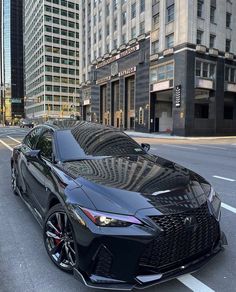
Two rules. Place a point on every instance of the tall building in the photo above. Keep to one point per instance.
(159, 66)
(17, 58)
(51, 40)
(12, 84)
(114, 60)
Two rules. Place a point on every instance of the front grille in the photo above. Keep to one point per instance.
(178, 242)
(103, 263)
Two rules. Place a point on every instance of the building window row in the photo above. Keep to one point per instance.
(61, 70)
(63, 22)
(200, 12)
(63, 42)
(230, 74)
(162, 72)
(205, 69)
(63, 32)
(64, 3)
(61, 12)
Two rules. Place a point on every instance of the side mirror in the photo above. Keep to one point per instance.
(33, 155)
(146, 147)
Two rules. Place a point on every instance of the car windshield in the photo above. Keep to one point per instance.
(77, 144)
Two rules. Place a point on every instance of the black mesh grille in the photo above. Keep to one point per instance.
(103, 263)
(179, 242)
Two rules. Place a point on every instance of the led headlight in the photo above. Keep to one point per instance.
(109, 219)
(215, 203)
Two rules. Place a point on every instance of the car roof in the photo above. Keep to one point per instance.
(72, 124)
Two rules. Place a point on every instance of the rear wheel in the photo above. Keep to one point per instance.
(59, 238)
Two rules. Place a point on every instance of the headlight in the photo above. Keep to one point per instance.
(215, 203)
(110, 220)
(211, 195)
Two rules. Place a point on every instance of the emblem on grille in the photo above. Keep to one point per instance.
(190, 222)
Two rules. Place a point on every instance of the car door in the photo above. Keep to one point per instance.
(28, 144)
(40, 171)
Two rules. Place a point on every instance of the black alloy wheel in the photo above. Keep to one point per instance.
(13, 180)
(59, 238)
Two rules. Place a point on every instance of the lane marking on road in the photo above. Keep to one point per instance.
(13, 139)
(182, 147)
(194, 284)
(229, 208)
(224, 178)
(6, 145)
(213, 147)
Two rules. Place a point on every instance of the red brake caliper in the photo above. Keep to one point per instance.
(57, 241)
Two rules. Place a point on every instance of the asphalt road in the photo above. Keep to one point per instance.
(25, 266)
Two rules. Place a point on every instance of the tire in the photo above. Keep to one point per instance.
(59, 239)
(14, 181)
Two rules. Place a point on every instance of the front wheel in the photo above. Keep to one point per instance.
(59, 239)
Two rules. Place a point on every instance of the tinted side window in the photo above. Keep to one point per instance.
(31, 139)
(45, 145)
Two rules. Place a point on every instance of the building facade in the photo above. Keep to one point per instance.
(192, 67)
(170, 62)
(51, 38)
(12, 76)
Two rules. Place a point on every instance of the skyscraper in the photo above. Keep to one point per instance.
(12, 82)
(51, 39)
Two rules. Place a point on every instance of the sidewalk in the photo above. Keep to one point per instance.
(168, 136)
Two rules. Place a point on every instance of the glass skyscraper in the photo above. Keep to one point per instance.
(51, 39)
(12, 76)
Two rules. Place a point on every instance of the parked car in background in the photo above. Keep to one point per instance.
(26, 123)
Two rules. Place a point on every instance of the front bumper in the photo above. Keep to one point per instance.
(144, 281)
(142, 256)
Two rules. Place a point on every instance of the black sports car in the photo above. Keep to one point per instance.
(113, 214)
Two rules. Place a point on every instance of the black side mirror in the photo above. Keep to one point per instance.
(33, 155)
(146, 147)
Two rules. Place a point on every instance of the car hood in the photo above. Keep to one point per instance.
(128, 184)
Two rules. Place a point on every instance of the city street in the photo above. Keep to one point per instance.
(25, 265)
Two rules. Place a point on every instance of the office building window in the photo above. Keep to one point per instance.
(205, 69)
(107, 9)
(123, 38)
(212, 14)
(124, 14)
(142, 5)
(228, 20)
(163, 72)
(170, 41)
(115, 2)
(170, 13)
(133, 10)
(155, 47)
(200, 4)
(115, 24)
(133, 32)
(155, 21)
(199, 37)
(212, 41)
(230, 74)
(228, 45)
(142, 27)
(99, 34)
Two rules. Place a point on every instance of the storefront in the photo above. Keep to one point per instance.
(161, 97)
(119, 91)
